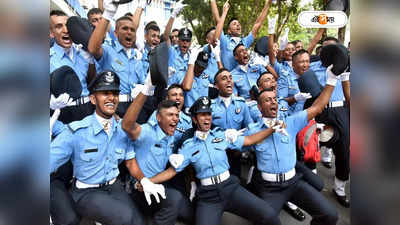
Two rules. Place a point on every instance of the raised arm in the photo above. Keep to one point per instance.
(214, 11)
(260, 18)
(134, 169)
(129, 125)
(271, 32)
(138, 13)
(315, 40)
(221, 21)
(96, 39)
(319, 104)
(189, 76)
(177, 9)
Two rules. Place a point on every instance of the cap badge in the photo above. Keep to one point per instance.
(205, 101)
(186, 32)
(109, 77)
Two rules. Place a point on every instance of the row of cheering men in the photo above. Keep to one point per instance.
(207, 135)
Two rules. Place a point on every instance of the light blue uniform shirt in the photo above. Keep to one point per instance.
(283, 68)
(277, 153)
(59, 58)
(153, 148)
(208, 157)
(243, 81)
(130, 71)
(178, 61)
(199, 88)
(95, 155)
(145, 57)
(320, 72)
(57, 128)
(288, 86)
(236, 116)
(229, 43)
(184, 123)
(212, 66)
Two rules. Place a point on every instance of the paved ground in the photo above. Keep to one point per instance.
(286, 219)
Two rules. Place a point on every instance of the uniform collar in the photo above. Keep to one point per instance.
(221, 100)
(183, 116)
(60, 51)
(119, 48)
(98, 127)
(160, 134)
(244, 68)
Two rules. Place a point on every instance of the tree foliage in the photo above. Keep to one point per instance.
(198, 16)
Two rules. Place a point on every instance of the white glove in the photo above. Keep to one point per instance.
(284, 39)
(345, 76)
(176, 160)
(142, 4)
(110, 9)
(193, 55)
(178, 8)
(148, 87)
(231, 135)
(259, 60)
(272, 24)
(62, 101)
(53, 120)
(320, 126)
(193, 188)
(279, 127)
(331, 77)
(136, 90)
(149, 188)
(217, 51)
(171, 71)
(301, 97)
(87, 56)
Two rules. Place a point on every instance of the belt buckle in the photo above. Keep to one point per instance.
(281, 177)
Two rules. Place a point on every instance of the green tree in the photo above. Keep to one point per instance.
(198, 15)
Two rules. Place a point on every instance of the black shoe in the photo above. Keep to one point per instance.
(327, 164)
(295, 213)
(341, 199)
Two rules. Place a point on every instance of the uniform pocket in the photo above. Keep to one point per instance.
(89, 156)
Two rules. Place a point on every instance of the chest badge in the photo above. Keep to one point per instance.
(237, 110)
(217, 140)
(180, 129)
(284, 109)
(119, 62)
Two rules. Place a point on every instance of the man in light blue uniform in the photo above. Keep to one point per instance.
(233, 38)
(119, 56)
(152, 39)
(178, 56)
(196, 82)
(277, 182)
(154, 143)
(175, 93)
(245, 75)
(64, 53)
(219, 191)
(96, 145)
(288, 86)
(336, 115)
(229, 112)
(214, 62)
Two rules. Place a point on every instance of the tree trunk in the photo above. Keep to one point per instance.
(341, 34)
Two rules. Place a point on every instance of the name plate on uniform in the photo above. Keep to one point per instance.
(91, 150)
(217, 140)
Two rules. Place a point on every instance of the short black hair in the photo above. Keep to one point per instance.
(128, 14)
(165, 104)
(295, 42)
(237, 46)
(174, 85)
(219, 72)
(94, 11)
(57, 13)
(175, 30)
(152, 26)
(331, 39)
(121, 19)
(232, 19)
(259, 77)
(208, 31)
(299, 52)
(262, 91)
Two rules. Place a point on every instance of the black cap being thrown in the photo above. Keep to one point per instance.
(104, 81)
(202, 59)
